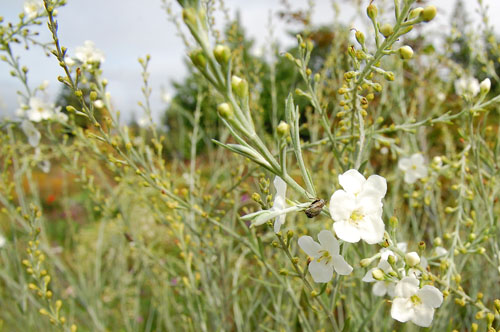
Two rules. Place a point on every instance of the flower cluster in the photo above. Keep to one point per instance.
(356, 210)
(38, 110)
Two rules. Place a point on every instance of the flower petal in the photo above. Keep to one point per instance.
(430, 296)
(310, 246)
(278, 222)
(417, 159)
(342, 204)
(369, 276)
(406, 287)
(402, 309)
(384, 266)
(280, 186)
(391, 289)
(346, 231)
(379, 288)
(371, 229)
(328, 242)
(369, 204)
(422, 315)
(420, 171)
(352, 181)
(320, 271)
(341, 266)
(376, 185)
(410, 177)
(404, 164)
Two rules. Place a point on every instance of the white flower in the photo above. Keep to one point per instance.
(88, 53)
(413, 167)
(467, 86)
(3, 240)
(32, 7)
(382, 287)
(166, 97)
(485, 85)
(98, 103)
(279, 202)
(39, 110)
(59, 116)
(69, 61)
(44, 165)
(44, 85)
(326, 257)
(440, 251)
(143, 121)
(412, 258)
(31, 133)
(357, 210)
(415, 304)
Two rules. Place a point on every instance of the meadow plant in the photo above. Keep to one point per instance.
(364, 198)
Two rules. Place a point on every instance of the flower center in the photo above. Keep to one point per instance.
(413, 167)
(415, 300)
(356, 216)
(324, 256)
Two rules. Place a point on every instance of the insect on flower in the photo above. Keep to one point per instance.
(315, 208)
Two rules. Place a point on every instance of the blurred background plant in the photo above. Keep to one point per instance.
(139, 226)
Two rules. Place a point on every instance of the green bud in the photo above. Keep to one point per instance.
(70, 109)
(283, 129)
(93, 95)
(189, 16)
(78, 93)
(222, 54)
(389, 76)
(378, 274)
(360, 37)
(428, 13)
(406, 52)
(386, 30)
(372, 11)
(198, 58)
(416, 12)
(365, 262)
(225, 110)
(239, 86)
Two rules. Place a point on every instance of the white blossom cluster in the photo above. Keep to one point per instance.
(356, 210)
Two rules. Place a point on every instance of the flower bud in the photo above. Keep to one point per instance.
(283, 129)
(365, 262)
(412, 258)
(406, 52)
(189, 16)
(225, 110)
(360, 37)
(222, 54)
(485, 86)
(416, 12)
(389, 76)
(198, 58)
(239, 86)
(497, 304)
(93, 95)
(428, 13)
(378, 274)
(372, 11)
(386, 30)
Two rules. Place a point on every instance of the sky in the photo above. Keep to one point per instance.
(127, 29)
